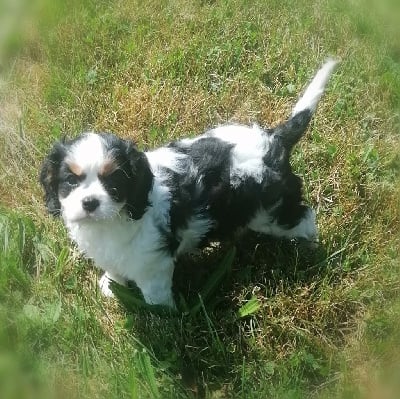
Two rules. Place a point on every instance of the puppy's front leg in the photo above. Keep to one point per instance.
(155, 282)
(105, 281)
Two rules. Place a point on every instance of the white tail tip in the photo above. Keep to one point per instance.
(309, 100)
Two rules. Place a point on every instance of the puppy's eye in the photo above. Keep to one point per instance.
(72, 180)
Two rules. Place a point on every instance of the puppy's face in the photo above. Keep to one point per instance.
(94, 177)
(92, 180)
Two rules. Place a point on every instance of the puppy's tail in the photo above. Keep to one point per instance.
(291, 131)
(309, 100)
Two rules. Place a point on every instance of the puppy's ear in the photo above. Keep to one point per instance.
(49, 176)
(142, 181)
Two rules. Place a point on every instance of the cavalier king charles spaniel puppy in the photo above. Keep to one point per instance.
(135, 212)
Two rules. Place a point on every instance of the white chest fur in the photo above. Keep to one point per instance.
(120, 246)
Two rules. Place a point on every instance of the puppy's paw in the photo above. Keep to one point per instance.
(104, 284)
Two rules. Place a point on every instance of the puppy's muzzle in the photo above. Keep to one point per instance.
(90, 204)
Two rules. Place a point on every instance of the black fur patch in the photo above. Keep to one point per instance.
(200, 190)
(49, 178)
(132, 180)
(205, 188)
(291, 131)
(67, 180)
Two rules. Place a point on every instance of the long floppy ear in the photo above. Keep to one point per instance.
(49, 178)
(142, 181)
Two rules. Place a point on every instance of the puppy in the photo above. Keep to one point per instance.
(135, 212)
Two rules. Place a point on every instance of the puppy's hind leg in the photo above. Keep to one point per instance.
(305, 228)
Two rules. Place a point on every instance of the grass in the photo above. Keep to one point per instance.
(273, 319)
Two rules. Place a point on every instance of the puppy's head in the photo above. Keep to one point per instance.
(95, 177)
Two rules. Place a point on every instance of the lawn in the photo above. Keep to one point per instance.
(259, 318)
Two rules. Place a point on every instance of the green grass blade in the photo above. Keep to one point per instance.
(250, 307)
(147, 372)
(215, 279)
(132, 300)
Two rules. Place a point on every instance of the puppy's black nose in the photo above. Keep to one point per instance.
(89, 204)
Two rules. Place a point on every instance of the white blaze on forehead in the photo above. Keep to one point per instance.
(88, 153)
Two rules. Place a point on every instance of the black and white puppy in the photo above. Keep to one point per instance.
(135, 212)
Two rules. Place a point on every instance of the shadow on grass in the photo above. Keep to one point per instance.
(203, 343)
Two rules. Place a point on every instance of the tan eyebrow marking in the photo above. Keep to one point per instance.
(108, 167)
(75, 169)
